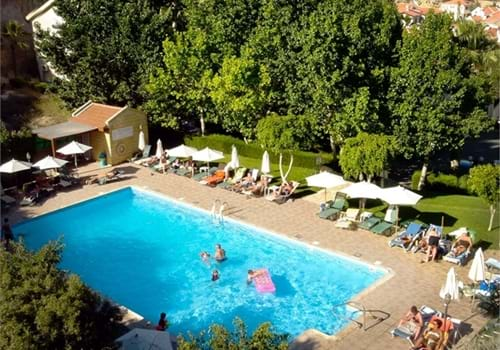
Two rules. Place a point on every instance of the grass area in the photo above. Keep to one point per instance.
(456, 211)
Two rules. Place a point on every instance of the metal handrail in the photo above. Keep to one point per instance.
(360, 307)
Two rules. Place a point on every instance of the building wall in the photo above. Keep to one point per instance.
(124, 134)
(98, 143)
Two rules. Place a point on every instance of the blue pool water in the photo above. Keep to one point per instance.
(142, 251)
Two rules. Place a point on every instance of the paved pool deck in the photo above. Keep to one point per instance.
(410, 282)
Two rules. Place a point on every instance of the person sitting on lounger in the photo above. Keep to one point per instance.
(432, 337)
(253, 274)
(220, 254)
(244, 183)
(258, 188)
(413, 322)
(462, 244)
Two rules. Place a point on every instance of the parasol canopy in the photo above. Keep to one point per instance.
(159, 149)
(266, 164)
(325, 180)
(399, 196)
(74, 148)
(50, 162)
(14, 166)
(182, 151)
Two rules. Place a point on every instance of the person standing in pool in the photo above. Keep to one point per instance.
(220, 254)
(215, 275)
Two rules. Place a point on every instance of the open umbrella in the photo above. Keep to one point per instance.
(14, 166)
(182, 151)
(235, 160)
(207, 155)
(449, 291)
(362, 190)
(266, 164)
(145, 339)
(325, 180)
(74, 148)
(50, 162)
(398, 196)
(142, 141)
(476, 272)
(159, 149)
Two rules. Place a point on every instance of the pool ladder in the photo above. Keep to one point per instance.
(364, 312)
(218, 214)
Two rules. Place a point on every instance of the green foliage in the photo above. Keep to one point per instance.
(254, 150)
(463, 183)
(442, 182)
(484, 181)
(366, 155)
(415, 178)
(9, 139)
(105, 49)
(434, 97)
(222, 339)
(42, 307)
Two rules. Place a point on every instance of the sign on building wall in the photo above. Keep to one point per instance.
(122, 133)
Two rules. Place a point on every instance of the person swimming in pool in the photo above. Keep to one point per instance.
(205, 256)
(215, 275)
(220, 254)
(253, 274)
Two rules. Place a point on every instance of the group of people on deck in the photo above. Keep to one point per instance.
(432, 338)
(430, 242)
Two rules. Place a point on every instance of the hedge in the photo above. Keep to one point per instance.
(442, 182)
(253, 150)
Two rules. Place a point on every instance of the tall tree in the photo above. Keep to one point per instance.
(484, 181)
(15, 34)
(434, 97)
(105, 49)
(42, 307)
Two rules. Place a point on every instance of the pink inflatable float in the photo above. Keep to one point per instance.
(264, 283)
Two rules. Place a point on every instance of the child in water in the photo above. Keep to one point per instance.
(215, 275)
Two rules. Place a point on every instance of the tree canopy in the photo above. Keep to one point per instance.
(105, 50)
(484, 181)
(42, 307)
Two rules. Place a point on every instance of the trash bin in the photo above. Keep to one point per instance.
(102, 159)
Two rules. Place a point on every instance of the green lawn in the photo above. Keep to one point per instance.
(456, 211)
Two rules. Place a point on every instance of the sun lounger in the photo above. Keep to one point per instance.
(369, 223)
(333, 210)
(492, 263)
(407, 236)
(282, 198)
(203, 174)
(348, 219)
(214, 179)
(405, 333)
(382, 228)
(139, 158)
(8, 199)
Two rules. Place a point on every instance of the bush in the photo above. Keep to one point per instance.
(253, 150)
(463, 183)
(442, 182)
(415, 178)
(40, 86)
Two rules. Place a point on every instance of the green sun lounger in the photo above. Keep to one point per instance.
(333, 210)
(369, 223)
(382, 228)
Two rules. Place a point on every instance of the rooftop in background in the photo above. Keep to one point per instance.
(62, 130)
(95, 114)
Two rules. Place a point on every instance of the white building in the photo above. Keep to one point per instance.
(456, 8)
(47, 19)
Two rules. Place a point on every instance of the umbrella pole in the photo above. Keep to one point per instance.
(325, 194)
(76, 164)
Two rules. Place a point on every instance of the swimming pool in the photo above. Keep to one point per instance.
(142, 251)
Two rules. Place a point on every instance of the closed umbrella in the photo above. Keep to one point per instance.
(266, 164)
(476, 272)
(207, 155)
(50, 162)
(235, 161)
(449, 291)
(182, 151)
(14, 166)
(142, 141)
(74, 148)
(325, 180)
(159, 149)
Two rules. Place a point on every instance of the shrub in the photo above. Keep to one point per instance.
(415, 178)
(253, 150)
(463, 183)
(442, 182)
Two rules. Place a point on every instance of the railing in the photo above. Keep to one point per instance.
(364, 313)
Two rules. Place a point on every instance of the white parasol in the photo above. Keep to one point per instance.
(142, 141)
(182, 151)
(207, 155)
(235, 160)
(476, 272)
(74, 148)
(399, 196)
(325, 180)
(451, 286)
(14, 166)
(145, 339)
(266, 164)
(159, 149)
(362, 189)
(50, 162)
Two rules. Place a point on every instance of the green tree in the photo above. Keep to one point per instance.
(222, 339)
(484, 181)
(179, 89)
(104, 50)
(42, 307)
(16, 36)
(239, 94)
(434, 97)
(366, 155)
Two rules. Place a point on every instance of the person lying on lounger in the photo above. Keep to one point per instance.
(462, 244)
(432, 337)
(413, 322)
(245, 183)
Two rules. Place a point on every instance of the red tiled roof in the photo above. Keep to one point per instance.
(494, 18)
(488, 11)
(95, 114)
(492, 33)
(458, 2)
(477, 19)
